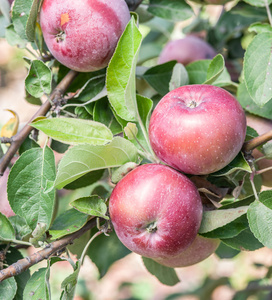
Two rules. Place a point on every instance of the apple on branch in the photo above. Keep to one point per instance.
(83, 35)
(197, 129)
(199, 250)
(186, 50)
(155, 211)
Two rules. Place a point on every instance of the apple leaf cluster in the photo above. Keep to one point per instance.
(97, 130)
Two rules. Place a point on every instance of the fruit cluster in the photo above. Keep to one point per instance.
(155, 209)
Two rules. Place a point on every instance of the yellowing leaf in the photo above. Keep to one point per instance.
(11, 127)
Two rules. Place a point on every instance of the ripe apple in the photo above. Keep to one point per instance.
(261, 125)
(197, 129)
(82, 35)
(5, 208)
(186, 50)
(200, 249)
(156, 211)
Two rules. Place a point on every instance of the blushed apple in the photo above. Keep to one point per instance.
(83, 35)
(156, 211)
(261, 125)
(199, 250)
(186, 50)
(5, 208)
(197, 129)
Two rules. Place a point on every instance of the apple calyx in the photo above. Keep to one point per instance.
(152, 227)
(60, 36)
(192, 104)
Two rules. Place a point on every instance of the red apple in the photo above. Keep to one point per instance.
(197, 129)
(156, 211)
(186, 50)
(5, 208)
(261, 125)
(83, 34)
(200, 249)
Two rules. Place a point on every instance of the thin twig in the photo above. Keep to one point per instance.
(24, 264)
(6, 140)
(18, 139)
(257, 141)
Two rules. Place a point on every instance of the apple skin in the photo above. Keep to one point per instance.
(186, 50)
(261, 125)
(155, 211)
(5, 208)
(200, 249)
(83, 34)
(197, 129)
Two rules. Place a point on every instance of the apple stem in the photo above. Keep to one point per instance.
(263, 170)
(257, 141)
(251, 178)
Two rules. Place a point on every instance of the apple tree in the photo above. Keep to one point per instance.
(174, 181)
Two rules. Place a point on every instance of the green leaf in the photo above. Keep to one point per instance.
(36, 288)
(12, 256)
(8, 288)
(224, 251)
(249, 105)
(243, 241)
(259, 3)
(179, 77)
(260, 218)
(32, 19)
(215, 69)
(82, 159)
(91, 88)
(85, 180)
(238, 163)
(159, 77)
(102, 113)
(121, 73)
(27, 183)
(105, 250)
(69, 284)
(20, 15)
(7, 231)
(214, 219)
(164, 274)
(174, 10)
(66, 223)
(259, 27)
(258, 68)
(5, 9)
(38, 80)
(93, 206)
(230, 230)
(20, 226)
(13, 38)
(74, 131)
(198, 73)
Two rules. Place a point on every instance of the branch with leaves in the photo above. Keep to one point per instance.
(49, 250)
(19, 138)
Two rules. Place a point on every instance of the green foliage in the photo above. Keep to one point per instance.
(100, 128)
